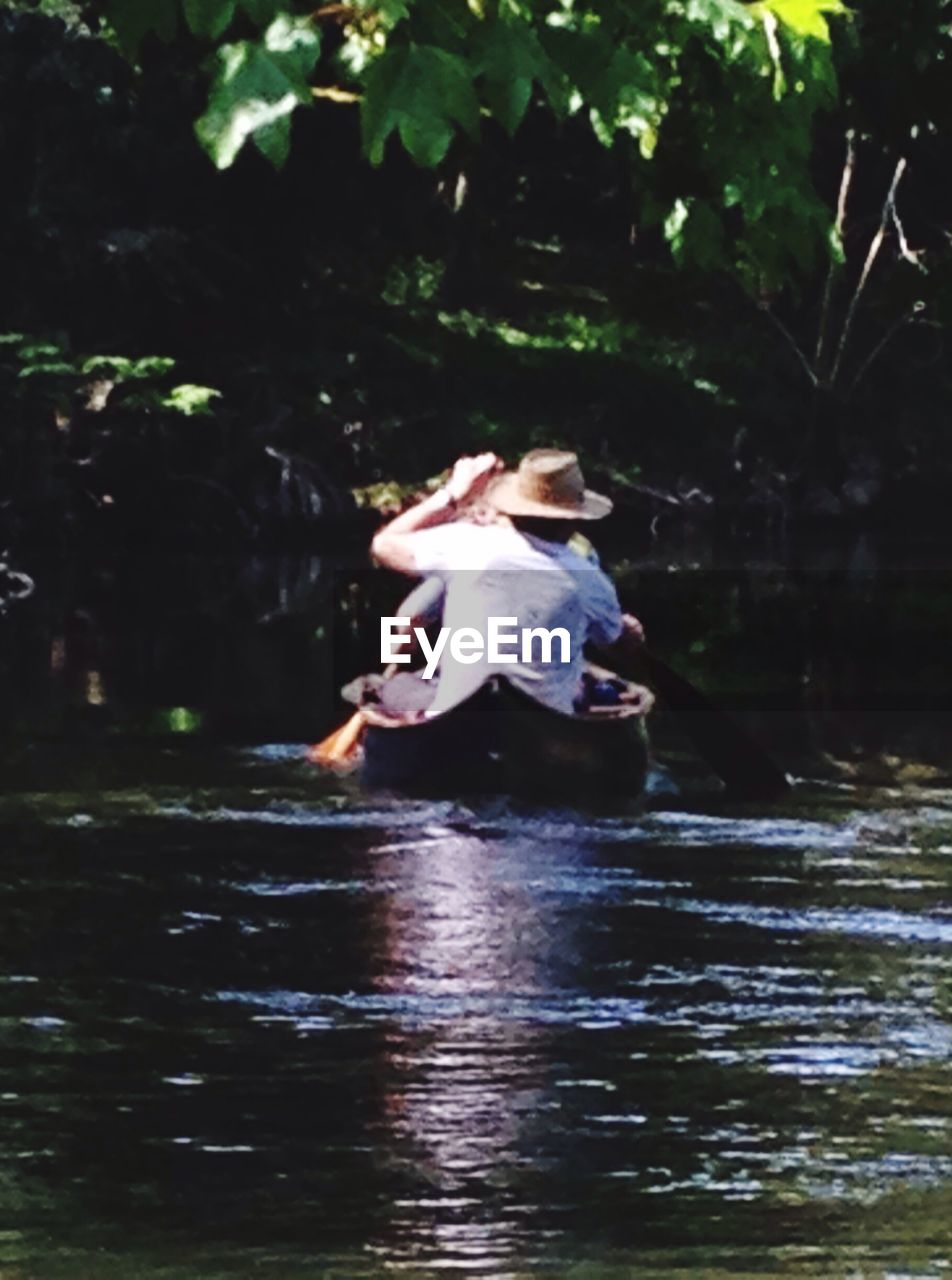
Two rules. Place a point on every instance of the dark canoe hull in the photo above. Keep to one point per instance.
(502, 740)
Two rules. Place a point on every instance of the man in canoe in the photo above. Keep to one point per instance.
(517, 566)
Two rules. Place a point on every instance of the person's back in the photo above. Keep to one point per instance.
(519, 568)
(528, 584)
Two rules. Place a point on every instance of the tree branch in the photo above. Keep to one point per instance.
(849, 166)
(881, 344)
(910, 255)
(875, 245)
(795, 347)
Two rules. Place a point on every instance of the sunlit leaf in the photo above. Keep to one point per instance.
(30, 350)
(724, 18)
(674, 225)
(47, 369)
(191, 400)
(837, 251)
(178, 720)
(627, 99)
(122, 369)
(805, 17)
(259, 84)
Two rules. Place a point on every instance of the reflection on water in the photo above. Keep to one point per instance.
(468, 944)
(288, 1032)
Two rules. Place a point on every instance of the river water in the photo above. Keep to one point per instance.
(254, 1022)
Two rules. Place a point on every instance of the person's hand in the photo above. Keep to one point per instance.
(632, 629)
(471, 476)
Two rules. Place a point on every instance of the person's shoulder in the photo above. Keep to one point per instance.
(455, 532)
(497, 537)
(457, 546)
(594, 581)
(481, 536)
(575, 557)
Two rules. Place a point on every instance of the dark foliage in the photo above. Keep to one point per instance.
(287, 335)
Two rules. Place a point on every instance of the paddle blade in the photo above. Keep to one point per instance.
(341, 746)
(742, 764)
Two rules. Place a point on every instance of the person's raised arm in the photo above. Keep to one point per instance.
(393, 545)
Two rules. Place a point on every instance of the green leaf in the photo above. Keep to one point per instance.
(122, 369)
(191, 400)
(210, 18)
(427, 139)
(390, 12)
(133, 20)
(705, 238)
(623, 88)
(261, 12)
(725, 19)
(805, 17)
(625, 95)
(695, 233)
(31, 350)
(272, 137)
(835, 242)
(511, 60)
(582, 58)
(423, 93)
(47, 369)
(177, 720)
(258, 86)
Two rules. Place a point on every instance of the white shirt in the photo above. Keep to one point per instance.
(495, 571)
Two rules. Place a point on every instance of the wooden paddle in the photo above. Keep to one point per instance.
(339, 748)
(746, 770)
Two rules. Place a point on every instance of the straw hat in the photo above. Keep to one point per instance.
(548, 482)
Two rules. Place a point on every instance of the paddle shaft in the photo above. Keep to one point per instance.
(746, 770)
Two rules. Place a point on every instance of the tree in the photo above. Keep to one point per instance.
(714, 100)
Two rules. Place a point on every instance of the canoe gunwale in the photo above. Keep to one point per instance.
(637, 708)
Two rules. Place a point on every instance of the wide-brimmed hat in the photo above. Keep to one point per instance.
(548, 483)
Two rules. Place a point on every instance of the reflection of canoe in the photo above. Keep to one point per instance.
(501, 739)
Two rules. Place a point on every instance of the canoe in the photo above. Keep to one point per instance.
(502, 740)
